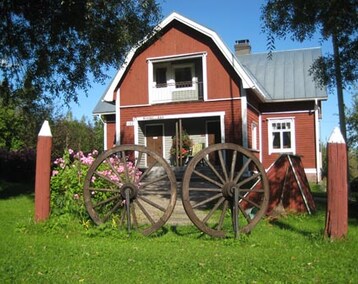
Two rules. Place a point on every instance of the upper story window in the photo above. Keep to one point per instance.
(281, 135)
(183, 76)
(161, 77)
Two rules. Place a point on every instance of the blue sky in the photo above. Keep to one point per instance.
(231, 20)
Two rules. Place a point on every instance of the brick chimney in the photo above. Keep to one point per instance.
(242, 47)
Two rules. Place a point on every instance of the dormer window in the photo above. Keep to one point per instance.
(183, 76)
(177, 78)
(161, 77)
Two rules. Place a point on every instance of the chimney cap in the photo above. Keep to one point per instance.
(242, 41)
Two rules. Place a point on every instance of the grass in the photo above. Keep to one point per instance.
(291, 249)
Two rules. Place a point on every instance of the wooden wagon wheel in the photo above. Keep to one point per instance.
(132, 185)
(225, 189)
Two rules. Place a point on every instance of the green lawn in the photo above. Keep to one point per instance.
(289, 250)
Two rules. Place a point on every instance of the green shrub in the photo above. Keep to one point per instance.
(68, 175)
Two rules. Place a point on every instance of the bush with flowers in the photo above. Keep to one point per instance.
(67, 180)
(68, 176)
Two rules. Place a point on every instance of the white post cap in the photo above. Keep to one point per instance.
(45, 129)
(336, 137)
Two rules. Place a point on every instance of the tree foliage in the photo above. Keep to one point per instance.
(22, 112)
(333, 19)
(56, 44)
(78, 135)
(352, 124)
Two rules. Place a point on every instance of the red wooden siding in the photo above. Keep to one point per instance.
(304, 134)
(222, 82)
(232, 111)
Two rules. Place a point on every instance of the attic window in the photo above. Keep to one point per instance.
(183, 77)
(161, 77)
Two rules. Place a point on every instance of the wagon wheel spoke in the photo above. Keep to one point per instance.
(243, 169)
(211, 212)
(210, 165)
(260, 190)
(250, 201)
(233, 164)
(107, 179)
(93, 189)
(103, 202)
(106, 217)
(147, 171)
(207, 200)
(207, 192)
(247, 217)
(208, 178)
(222, 215)
(223, 166)
(146, 183)
(145, 212)
(150, 202)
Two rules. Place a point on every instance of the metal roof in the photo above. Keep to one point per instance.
(285, 77)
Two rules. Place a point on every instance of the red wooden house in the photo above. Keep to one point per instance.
(185, 72)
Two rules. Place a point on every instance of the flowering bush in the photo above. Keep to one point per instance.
(68, 176)
(67, 181)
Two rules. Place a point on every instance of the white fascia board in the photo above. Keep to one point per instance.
(248, 82)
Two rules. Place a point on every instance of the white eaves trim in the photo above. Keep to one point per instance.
(247, 80)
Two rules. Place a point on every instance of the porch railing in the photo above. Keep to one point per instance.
(177, 92)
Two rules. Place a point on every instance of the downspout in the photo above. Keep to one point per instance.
(118, 118)
(318, 138)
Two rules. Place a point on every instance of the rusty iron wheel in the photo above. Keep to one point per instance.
(225, 190)
(132, 186)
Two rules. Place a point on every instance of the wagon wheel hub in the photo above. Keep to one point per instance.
(132, 188)
(228, 190)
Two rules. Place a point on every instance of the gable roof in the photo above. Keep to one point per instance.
(246, 78)
(285, 77)
(264, 77)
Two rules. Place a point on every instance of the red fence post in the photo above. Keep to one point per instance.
(43, 173)
(337, 187)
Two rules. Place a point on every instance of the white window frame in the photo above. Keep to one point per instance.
(291, 150)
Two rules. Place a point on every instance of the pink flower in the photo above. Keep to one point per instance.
(70, 151)
(54, 173)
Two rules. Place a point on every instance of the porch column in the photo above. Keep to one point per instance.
(244, 117)
(118, 118)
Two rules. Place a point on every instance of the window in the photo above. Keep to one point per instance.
(183, 77)
(281, 136)
(161, 77)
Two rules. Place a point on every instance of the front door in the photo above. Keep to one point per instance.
(154, 135)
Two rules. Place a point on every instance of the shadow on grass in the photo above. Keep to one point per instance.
(14, 189)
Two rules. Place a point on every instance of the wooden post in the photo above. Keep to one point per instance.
(43, 173)
(337, 187)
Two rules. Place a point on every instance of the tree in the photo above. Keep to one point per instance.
(352, 124)
(55, 45)
(21, 115)
(78, 135)
(333, 19)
